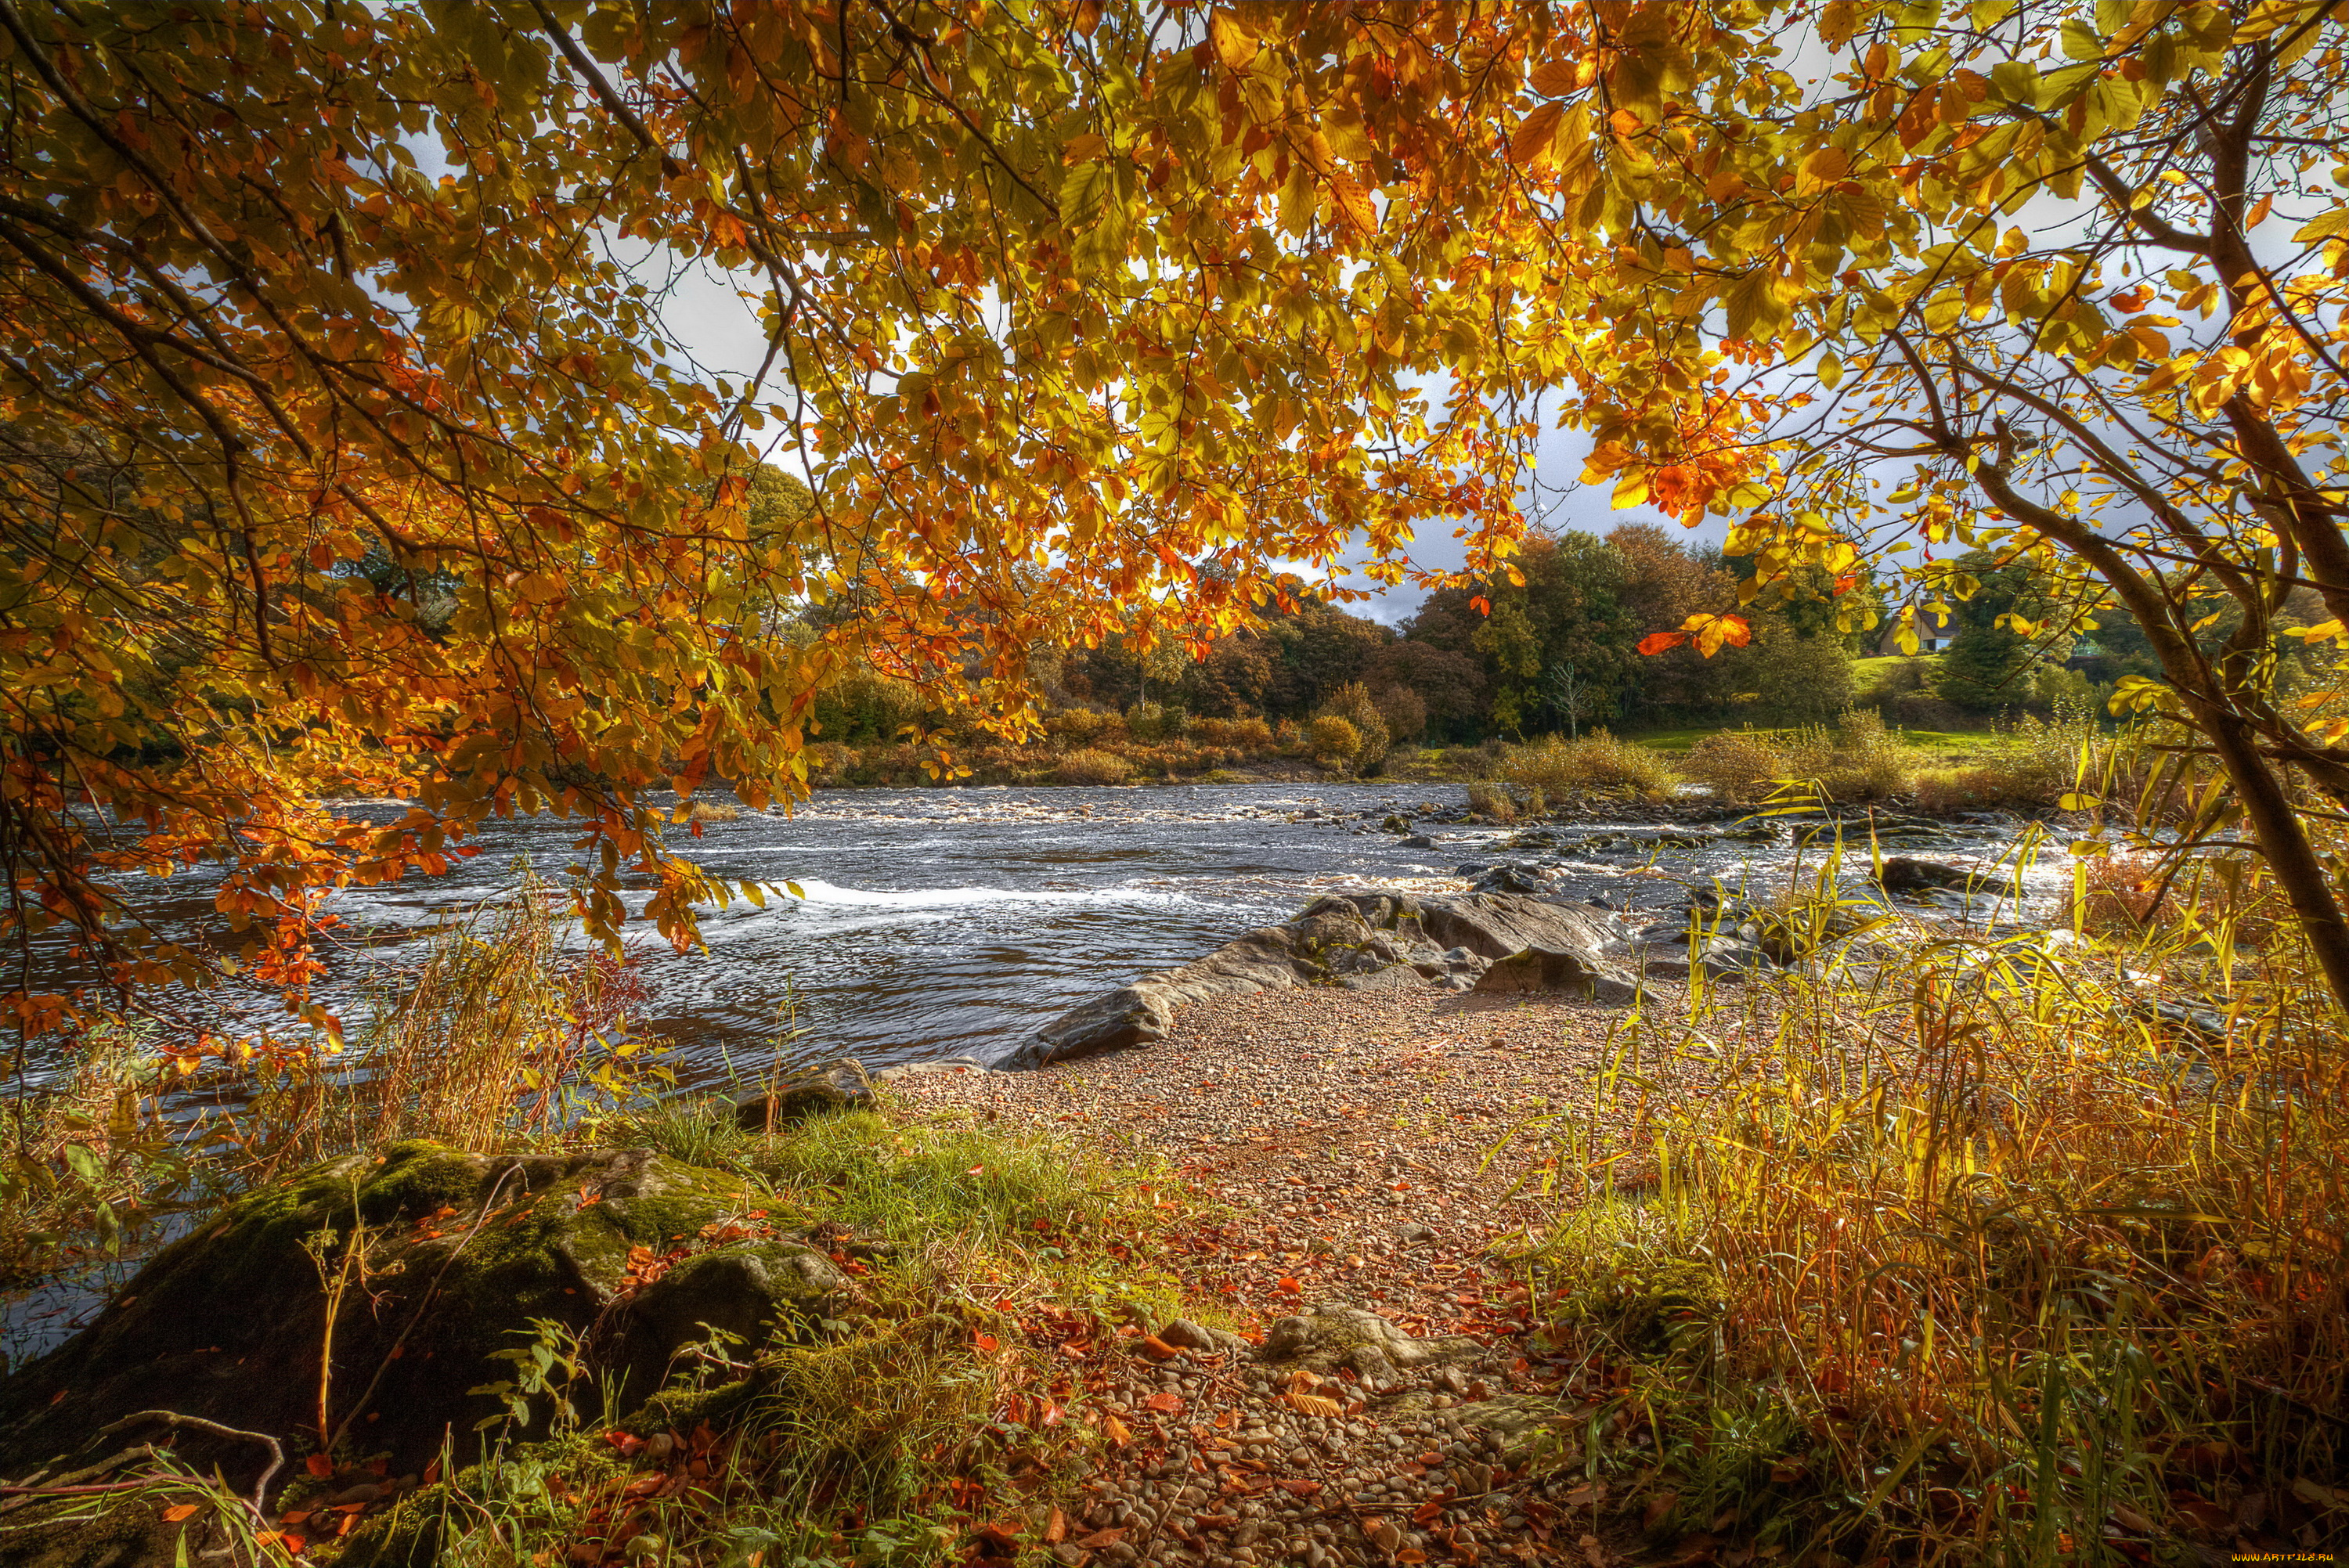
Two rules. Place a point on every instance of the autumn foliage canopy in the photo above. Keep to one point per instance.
(352, 450)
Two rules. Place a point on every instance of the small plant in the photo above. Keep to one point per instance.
(1492, 800)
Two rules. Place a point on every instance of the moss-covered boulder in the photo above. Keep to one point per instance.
(441, 1260)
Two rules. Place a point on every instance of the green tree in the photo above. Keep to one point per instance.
(1989, 664)
(1564, 607)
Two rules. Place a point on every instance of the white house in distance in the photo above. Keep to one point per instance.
(1934, 630)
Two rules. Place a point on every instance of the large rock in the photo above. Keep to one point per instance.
(836, 1086)
(1555, 969)
(628, 1250)
(1354, 940)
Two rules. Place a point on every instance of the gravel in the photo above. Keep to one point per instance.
(1381, 1149)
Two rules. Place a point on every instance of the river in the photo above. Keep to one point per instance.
(946, 922)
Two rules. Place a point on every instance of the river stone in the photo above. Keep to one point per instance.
(1554, 969)
(1531, 1429)
(1358, 935)
(1336, 1333)
(842, 1085)
(462, 1253)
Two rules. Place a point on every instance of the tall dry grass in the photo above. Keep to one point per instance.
(500, 1036)
(1853, 760)
(1972, 1255)
(1558, 769)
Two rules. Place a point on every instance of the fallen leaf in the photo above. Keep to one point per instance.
(2318, 1495)
(318, 1464)
(1055, 1528)
(1101, 1538)
(1166, 1404)
(1313, 1405)
(179, 1511)
(1156, 1348)
(1116, 1430)
(1300, 1488)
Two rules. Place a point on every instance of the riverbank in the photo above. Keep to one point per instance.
(1923, 1256)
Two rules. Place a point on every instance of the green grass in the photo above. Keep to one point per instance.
(1936, 745)
(939, 1406)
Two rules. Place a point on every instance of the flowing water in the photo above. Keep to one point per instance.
(956, 922)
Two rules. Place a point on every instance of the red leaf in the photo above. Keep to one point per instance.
(1661, 642)
(1288, 1287)
(318, 1464)
(1168, 1404)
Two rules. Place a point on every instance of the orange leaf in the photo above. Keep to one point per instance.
(179, 1511)
(318, 1464)
(1288, 1287)
(1661, 642)
(1169, 1404)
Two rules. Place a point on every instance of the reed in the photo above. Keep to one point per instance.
(499, 1036)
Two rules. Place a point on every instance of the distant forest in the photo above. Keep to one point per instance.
(1560, 653)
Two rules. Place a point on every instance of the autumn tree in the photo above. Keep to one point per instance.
(2062, 282)
(349, 451)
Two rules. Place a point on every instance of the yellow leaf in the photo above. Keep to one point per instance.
(1235, 47)
(1554, 78)
(1536, 135)
(1823, 169)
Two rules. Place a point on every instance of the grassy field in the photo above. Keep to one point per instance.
(1934, 746)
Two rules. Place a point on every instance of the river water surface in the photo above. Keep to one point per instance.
(949, 921)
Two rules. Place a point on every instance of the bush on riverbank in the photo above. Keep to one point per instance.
(1854, 760)
(1964, 1258)
(1561, 770)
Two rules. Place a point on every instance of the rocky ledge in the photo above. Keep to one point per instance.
(1367, 940)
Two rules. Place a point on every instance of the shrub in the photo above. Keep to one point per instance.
(1151, 722)
(1238, 734)
(1351, 702)
(829, 762)
(1492, 800)
(1858, 759)
(1090, 765)
(2060, 689)
(1084, 726)
(1334, 739)
(1740, 766)
(1595, 764)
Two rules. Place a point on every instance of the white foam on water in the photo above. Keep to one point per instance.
(814, 891)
